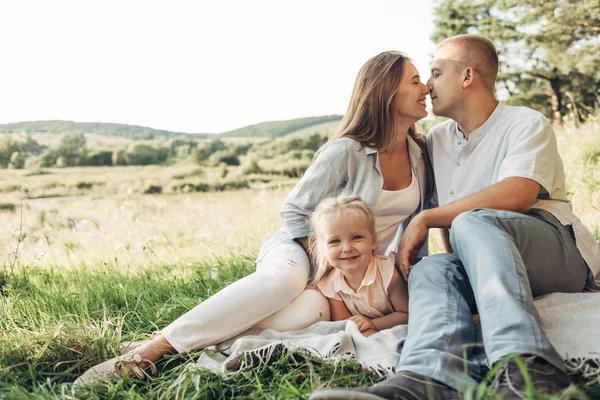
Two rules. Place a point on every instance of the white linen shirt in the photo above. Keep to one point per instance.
(513, 142)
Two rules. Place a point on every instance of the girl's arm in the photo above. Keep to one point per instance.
(398, 295)
(339, 311)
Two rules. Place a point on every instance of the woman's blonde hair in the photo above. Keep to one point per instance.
(341, 204)
(371, 118)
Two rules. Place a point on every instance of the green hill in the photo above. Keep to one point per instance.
(101, 128)
(263, 130)
(326, 128)
(279, 128)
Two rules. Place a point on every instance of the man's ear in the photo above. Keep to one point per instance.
(468, 77)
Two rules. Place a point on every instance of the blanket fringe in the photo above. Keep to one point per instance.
(256, 358)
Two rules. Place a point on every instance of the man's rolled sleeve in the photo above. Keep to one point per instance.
(534, 155)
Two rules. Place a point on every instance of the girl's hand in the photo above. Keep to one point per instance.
(369, 332)
(363, 322)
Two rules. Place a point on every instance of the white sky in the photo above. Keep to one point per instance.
(196, 66)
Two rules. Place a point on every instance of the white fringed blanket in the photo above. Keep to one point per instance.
(571, 321)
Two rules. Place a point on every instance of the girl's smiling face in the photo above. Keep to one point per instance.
(347, 241)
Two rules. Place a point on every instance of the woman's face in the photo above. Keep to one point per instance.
(409, 100)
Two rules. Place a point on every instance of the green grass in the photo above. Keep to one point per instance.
(57, 322)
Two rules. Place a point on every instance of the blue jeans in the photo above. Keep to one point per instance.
(501, 261)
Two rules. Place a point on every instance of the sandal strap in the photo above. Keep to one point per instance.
(131, 362)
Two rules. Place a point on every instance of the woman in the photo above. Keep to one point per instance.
(376, 155)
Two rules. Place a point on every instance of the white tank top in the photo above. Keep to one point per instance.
(392, 208)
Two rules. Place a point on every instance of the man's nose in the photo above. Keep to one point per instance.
(429, 84)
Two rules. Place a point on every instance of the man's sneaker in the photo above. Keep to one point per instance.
(403, 386)
(545, 378)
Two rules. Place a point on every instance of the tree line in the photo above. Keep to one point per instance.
(73, 151)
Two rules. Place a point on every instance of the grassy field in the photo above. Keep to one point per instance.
(86, 266)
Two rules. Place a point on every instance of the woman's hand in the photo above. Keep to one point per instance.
(363, 322)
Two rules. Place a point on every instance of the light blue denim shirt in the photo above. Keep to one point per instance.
(341, 167)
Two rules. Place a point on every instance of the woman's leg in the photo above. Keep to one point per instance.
(280, 277)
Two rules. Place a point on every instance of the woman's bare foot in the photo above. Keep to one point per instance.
(149, 353)
(155, 349)
(138, 363)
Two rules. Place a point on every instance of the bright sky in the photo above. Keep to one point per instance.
(196, 66)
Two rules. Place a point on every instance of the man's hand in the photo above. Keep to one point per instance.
(413, 238)
(363, 322)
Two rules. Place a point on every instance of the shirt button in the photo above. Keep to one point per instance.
(452, 193)
(458, 163)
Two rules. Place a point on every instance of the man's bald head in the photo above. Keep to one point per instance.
(477, 52)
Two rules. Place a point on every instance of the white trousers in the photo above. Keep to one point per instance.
(272, 297)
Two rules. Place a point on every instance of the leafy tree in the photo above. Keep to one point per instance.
(549, 50)
(252, 168)
(141, 154)
(119, 157)
(178, 147)
(242, 149)
(8, 146)
(49, 158)
(228, 157)
(71, 150)
(202, 153)
(315, 141)
(99, 158)
(162, 153)
(17, 160)
(31, 146)
(223, 170)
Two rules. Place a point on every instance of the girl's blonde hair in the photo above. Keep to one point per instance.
(341, 204)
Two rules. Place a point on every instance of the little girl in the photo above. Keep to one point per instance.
(360, 286)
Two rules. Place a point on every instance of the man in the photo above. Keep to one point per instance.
(501, 190)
